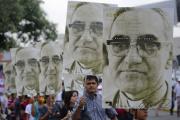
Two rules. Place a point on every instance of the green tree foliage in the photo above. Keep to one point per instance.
(23, 21)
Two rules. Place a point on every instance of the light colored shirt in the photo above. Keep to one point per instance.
(4, 102)
(59, 96)
(28, 111)
(177, 90)
(29, 92)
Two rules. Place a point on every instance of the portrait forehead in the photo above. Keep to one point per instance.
(27, 53)
(50, 49)
(137, 22)
(88, 13)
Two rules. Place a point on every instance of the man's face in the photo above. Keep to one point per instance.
(9, 76)
(27, 68)
(139, 53)
(91, 86)
(51, 64)
(85, 34)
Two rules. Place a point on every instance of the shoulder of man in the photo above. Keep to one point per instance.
(99, 96)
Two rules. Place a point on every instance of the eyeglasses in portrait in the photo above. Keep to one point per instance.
(139, 57)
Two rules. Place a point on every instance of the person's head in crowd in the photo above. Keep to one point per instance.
(9, 77)
(91, 84)
(70, 98)
(139, 114)
(41, 100)
(178, 79)
(13, 95)
(139, 50)
(51, 67)
(27, 69)
(50, 99)
(84, 35)
(31, 100)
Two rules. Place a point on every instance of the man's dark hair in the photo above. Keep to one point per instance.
(91, 77)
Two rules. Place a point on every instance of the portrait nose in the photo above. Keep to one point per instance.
(12, 78)
(92, 85)
(86, 36)
(27, 68)
(133, 56)
(51, 67)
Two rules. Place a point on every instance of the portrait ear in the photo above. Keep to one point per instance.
(170, 58)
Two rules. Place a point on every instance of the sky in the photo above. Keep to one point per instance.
(56, 9)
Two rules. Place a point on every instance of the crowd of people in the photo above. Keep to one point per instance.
(136, 55)
(70, 106)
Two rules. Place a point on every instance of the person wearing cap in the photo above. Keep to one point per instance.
(177, 94)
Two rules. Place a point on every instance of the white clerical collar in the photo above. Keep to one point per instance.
(29, 92)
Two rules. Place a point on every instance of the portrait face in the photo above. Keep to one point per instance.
(51, 65)
(9, 77)
(91, 86)
(27, 67)
(85, 34)
(138, 51)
